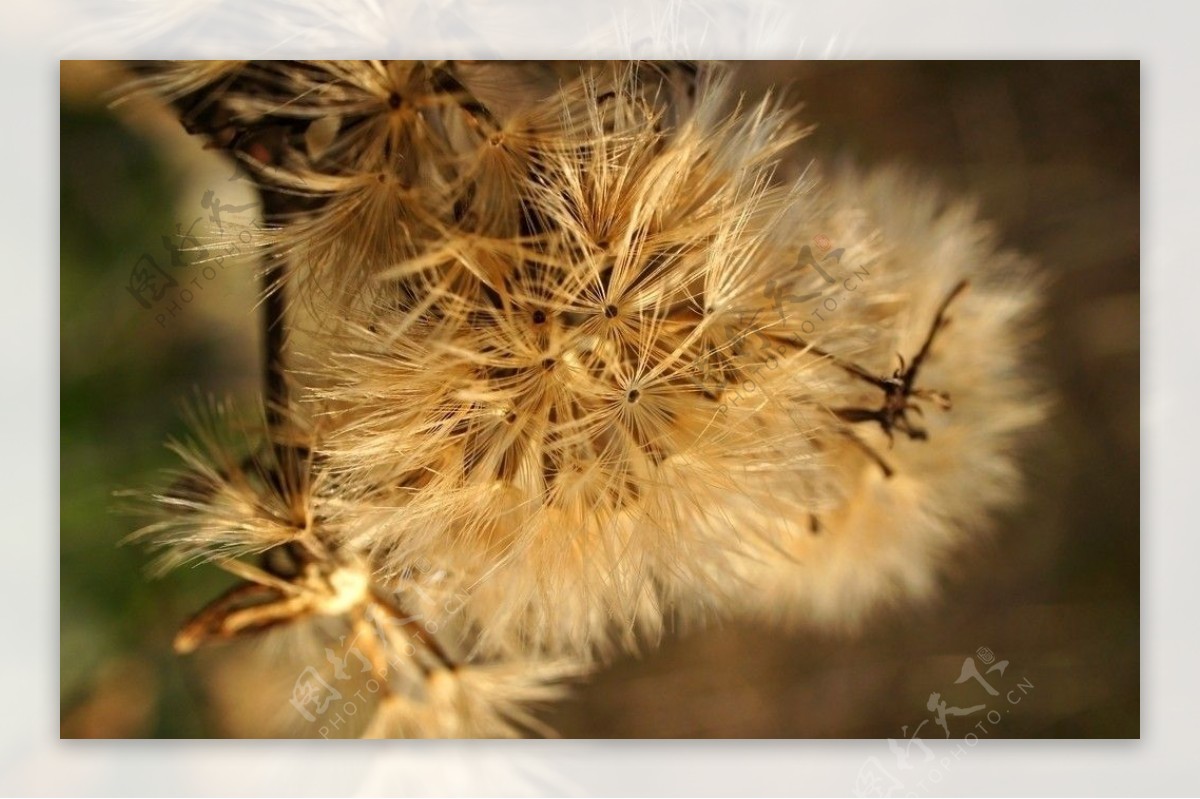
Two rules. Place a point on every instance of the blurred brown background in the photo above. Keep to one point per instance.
(1051, 152)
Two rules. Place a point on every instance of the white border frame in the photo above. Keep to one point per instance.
(32, 759)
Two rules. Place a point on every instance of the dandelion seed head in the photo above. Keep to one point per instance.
(544, 416)
(889, 539)
(574, 363)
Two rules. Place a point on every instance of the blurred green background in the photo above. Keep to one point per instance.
(1051, 152)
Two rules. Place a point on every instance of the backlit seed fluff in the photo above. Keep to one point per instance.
(545, 418)
(252, 503)
(576, 361)
(905, 502)
(241, 489)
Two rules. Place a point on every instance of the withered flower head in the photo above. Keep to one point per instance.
(573, 359)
